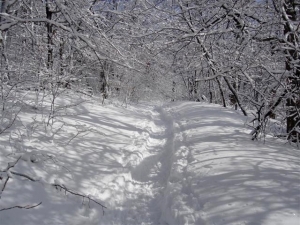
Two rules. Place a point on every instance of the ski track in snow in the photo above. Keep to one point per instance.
(181, 163)
(143, 170)
(150, 167)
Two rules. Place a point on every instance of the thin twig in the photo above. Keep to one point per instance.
(10, 165)
(23, 175)
(77, 194)
(63, 187)
(21, 207)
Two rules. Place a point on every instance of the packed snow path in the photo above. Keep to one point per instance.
(178, 164)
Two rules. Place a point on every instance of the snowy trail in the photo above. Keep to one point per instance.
(221, 177)
(181, 163)
(147, 164)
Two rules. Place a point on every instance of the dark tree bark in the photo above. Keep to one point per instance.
(221, 92)
(210, 92)
(292, 55)
(49, 26)
(235, 96)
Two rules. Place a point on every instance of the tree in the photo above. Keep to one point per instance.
(292, 51)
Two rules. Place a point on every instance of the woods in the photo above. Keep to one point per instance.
(241, 54)
(142, 109)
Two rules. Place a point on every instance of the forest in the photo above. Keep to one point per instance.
(243, 55)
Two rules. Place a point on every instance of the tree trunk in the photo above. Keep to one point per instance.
(61, 53)
(292, 56)
(210, 92)
(49, 36)
(221, 92)
(236, 96)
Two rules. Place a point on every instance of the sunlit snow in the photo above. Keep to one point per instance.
(184, 163)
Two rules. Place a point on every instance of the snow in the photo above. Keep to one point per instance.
(182, 163)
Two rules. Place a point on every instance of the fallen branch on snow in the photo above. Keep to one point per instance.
(6, 170)
(21, 207)
(63, 187)
(56, 185)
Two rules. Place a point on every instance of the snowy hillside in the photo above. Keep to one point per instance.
(183, 163)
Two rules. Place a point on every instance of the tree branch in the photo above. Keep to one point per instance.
(21, 207)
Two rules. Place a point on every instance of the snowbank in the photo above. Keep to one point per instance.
(177, 164)
(221, 177)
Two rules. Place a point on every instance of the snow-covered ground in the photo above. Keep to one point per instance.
(182, 163)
